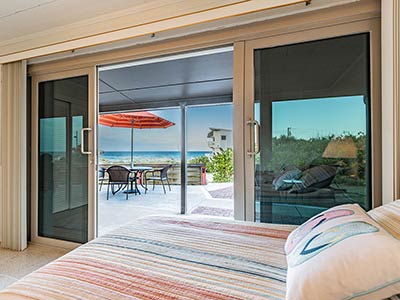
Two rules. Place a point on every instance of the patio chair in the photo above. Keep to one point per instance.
(118, 176)
(102, 176)
(162, 176)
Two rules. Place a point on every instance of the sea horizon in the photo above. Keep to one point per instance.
(153, 156)
(154, 151)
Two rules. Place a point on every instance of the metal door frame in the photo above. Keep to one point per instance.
(366, 26)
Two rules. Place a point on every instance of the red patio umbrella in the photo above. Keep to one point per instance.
(140, 120)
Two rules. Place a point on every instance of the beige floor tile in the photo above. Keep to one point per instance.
(5, 281)
(15, 265)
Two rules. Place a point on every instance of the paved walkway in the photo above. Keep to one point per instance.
(224, 193)
(117, 211)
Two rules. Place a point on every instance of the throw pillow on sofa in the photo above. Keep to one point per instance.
(281, 182)
(315, 177)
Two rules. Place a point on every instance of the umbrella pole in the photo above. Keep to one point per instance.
(132, 146)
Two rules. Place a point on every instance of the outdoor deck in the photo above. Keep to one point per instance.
(213, 199)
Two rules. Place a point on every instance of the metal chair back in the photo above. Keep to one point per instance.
(118, 174)
(102, 173)
(164, 172)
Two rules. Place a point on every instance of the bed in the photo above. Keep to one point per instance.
(168, 258)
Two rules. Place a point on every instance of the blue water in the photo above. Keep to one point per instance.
(148, 156)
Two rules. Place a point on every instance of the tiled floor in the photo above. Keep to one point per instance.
(15, 265)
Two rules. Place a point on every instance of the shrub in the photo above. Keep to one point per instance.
(202, 160)
(222, 165)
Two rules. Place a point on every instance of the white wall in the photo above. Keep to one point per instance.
(13, 156)
(1, 165)
(390, 101)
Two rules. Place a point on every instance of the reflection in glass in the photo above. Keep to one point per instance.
(63, 177)
(312, 101)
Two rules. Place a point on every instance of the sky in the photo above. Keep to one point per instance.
(306, 118)
(199, 120)
(318, 117)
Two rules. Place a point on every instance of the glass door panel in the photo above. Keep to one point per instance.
(313, 106)
(63, 169)
(210, 160)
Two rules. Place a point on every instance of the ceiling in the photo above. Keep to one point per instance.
(200, 78)
(23, 17)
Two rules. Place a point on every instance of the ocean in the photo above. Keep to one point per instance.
(148, 156)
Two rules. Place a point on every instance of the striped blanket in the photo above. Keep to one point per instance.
(168, 258)
(388, 216)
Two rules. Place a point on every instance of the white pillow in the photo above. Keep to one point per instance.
(342, 254)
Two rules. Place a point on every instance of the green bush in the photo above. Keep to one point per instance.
(303, 153)
(220, 164)
(290, 151)
(202, 160)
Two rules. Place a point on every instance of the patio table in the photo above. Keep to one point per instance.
(136, 170)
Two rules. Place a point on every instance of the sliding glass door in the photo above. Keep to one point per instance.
(63, 158)
(308, 128)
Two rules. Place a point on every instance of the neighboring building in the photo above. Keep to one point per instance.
(219, 138)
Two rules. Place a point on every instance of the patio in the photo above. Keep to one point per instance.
(213, 199)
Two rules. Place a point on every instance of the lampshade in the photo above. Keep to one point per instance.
(340, 148)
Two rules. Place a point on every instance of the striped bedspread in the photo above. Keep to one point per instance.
(388, 216)
(167, 258)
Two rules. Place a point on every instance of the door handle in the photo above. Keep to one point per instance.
(256, 146)
(83, 141)
(257, 134)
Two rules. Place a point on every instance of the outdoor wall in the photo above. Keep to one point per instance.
(1, 165)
